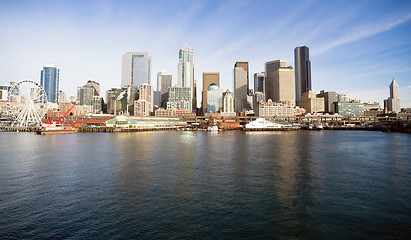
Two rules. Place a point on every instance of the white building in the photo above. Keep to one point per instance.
(186, 69)
(179, 97)
(272, 109)
(392, 104)
(135, 69)
(228, 104)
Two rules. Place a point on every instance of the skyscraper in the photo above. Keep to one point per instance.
(270, 68)
(284, 85)
(241, 86)
(144, 105)
(166, 80)
(259, 82)
(50, 81)
(186, 69)
(302, 72)
(393, 102)
(95, 85)
(228, 103)
(135, 69)
(209, 78)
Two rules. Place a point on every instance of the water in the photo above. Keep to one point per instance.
(230, 185)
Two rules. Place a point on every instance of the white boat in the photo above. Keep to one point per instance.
(212, 129)
(263, 123)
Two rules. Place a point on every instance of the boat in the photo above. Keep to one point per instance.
(212, 128)
(56, 130)
(263, 124)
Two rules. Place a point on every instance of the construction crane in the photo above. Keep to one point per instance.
(50, 122)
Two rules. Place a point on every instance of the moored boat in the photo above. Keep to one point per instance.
(56, 130)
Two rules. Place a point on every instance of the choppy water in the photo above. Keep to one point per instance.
(179, 185)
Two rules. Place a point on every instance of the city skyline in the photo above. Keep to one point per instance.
(350, 51)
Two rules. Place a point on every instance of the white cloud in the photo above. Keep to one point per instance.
(364, 31)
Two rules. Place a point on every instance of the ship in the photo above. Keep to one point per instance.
(56, 130)
(263, 124)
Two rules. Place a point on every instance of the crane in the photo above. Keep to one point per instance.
(50, 122)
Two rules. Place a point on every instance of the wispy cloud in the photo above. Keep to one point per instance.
(364, 31)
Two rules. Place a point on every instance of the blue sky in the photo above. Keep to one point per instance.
(356, 47)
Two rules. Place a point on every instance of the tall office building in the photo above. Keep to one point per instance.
(195, 96)
(144, 105)
(166, 80)
(85, 95)
(259, 82)
(180, 98)
(241, 86)
(270, 68)
(135, 69)
(95, 85)
(393, 102)
(284, 85)
(214, 98)
(208, 78)
(62, 97)
(159, 76)
(228, 104)
(302, 72)
(329, 99)
(186, 69)
(113, 100)
(50, 81)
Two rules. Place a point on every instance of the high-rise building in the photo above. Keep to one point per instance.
(85, 95)
(270, 68)
(50, 81)
(97, 105)
(166, 80)
(114, 99)
(257, 98)
(62, 97)
(283, 85)
(159, 77)
(209, 78)
(95, 85)
(259, 82)
(135, 69)
(241, 86)
(179, 98)
(302, 72)
(146, 94)
(186, 69)
(329, 99)
(195, 96)
(214, 98)
(228, 104)
(392, 104)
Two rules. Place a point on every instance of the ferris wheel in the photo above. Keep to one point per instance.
(27, 103)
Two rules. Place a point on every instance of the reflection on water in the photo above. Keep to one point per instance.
(300, 184)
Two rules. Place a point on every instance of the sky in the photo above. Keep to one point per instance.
(356, 47)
